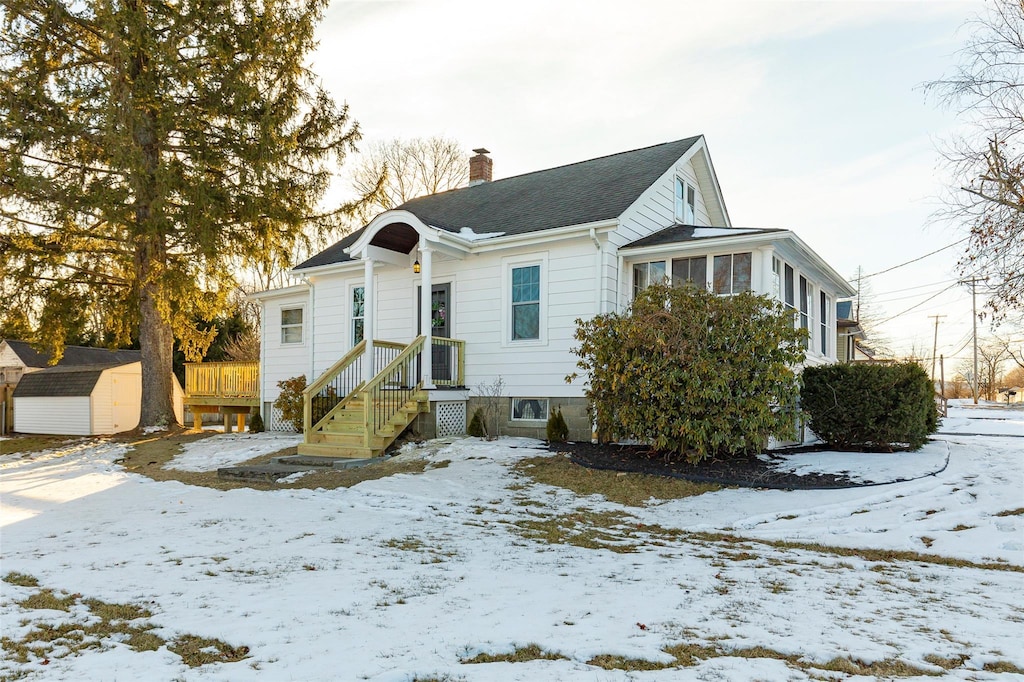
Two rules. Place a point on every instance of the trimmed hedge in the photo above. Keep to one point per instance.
(858, 406)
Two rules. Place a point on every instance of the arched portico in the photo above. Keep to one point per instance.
(399, 238)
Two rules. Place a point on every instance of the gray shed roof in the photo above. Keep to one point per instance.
(73, 355)
(583, 192)
(60, 381)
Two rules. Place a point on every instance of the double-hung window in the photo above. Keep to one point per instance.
(358, 314)
(789, 292)
(777, 279)
(732, 273)
(825, 303)
(685, 201)
(805, 309)
(291, 325)
(526, 303)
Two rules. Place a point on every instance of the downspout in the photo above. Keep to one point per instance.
(618, 283)
(312, 331)
(598, 303)
(263, 364)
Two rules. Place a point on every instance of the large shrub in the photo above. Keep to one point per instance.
(693, 373)
(290, 402)
(870, 406)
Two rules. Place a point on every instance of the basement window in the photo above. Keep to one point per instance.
(529, 409)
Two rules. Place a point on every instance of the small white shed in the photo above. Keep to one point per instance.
(85, 400)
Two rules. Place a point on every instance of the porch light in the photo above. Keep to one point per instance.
(416, 267)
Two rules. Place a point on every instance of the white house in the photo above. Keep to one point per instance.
(502, 270)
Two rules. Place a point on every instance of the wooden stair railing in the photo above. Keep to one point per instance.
(387, 394)
(339, 384)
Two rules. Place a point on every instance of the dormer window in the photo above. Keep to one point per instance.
(686, 198)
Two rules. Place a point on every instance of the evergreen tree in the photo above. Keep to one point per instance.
(145, 145)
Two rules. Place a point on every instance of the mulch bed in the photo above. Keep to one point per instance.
(747, 472)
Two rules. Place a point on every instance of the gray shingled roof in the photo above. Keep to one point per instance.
(583, 192)
(60, 381)
(687, 233)
(73, 355)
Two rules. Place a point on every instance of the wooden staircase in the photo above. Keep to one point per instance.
(346, 417)
(344, 433)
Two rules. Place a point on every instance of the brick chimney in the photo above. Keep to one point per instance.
(480, 167)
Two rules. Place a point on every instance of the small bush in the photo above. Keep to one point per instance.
(256, 423)
(558, 432)
(476, 424)
(290, 400)
(857, 406)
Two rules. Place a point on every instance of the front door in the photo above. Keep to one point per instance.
(440, 327)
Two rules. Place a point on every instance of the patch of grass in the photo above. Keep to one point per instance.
(530, 652)
(887, 668)
(961, 526)
(24, 445)
(148, 457)
(591, 530)
(634, 490)
(1019, 511)
(111, 611)
(1002, 667)
(21, 579)
(68, 638)
(406, 544)
(877, 555)
(622, 533)
(196, 651)
(946, 663)
(46, 599)
(690, 654)
(610, 662)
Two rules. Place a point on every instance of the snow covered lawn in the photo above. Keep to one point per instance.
(411, 576)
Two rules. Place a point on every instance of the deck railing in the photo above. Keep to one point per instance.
(222, 380)
(448, 361)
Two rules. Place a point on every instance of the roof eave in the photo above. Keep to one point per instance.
(704, 243)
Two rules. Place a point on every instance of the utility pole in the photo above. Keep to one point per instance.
(973, 281)
(935, 344)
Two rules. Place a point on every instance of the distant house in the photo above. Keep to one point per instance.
(850, 335)
(90, 391)
(402, 319)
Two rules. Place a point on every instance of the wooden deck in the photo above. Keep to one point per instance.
(231, 388)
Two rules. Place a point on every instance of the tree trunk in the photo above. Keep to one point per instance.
(157, 341)
(156, 338)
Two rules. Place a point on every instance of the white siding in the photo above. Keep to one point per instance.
(8, 358)
(101, 404)
(535, 368)
(477, 312)
(48, 415)
(655, 209)
(126, 398)
(283, 361)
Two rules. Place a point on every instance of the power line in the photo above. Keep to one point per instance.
(919, 286)
(917, 305)
(931, 253)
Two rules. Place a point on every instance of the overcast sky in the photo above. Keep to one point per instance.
(812, 111)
